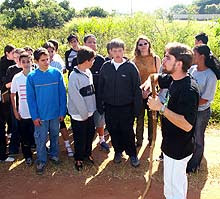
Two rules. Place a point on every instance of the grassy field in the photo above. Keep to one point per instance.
(160, 31)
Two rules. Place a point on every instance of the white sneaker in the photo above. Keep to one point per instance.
(9, 159)
(69, 151)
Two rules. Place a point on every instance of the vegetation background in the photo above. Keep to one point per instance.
(24, 22)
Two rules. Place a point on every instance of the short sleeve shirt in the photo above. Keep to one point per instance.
(19, 86)
(183, 99)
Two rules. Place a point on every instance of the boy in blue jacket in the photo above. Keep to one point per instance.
(46, 97)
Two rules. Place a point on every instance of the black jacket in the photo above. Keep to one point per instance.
(119, 87)
(4, 65)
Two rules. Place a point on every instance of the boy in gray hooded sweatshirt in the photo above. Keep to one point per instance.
(82, 105)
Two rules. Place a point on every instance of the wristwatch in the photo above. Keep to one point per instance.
(162, 109)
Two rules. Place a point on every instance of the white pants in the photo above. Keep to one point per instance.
(175, 179)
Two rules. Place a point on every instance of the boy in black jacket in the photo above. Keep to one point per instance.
(119, 96)
(72, 52)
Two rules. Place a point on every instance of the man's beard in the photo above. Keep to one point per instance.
(164, 70)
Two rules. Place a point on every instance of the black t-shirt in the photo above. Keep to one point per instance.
(183, 99)
(96, 67)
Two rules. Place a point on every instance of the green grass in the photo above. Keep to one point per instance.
(160, 32)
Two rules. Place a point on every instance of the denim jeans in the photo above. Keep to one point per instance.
(40, 135)
(201, 124)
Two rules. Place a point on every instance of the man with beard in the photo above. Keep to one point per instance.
(179, 116)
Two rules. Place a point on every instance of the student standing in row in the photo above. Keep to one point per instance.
(57, 63)
(25, 123)
(70, 54)
(206, 79)
(90, 41)
(119, 96)
(82, 105)
(5, 116)
(11, 72)
(46, 97)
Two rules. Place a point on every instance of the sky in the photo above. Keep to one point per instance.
(124, 6)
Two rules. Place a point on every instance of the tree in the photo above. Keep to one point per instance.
(178, 9)
(43, 13)
(203, 3)
(212, 9)
(13, 5)
(93, 12)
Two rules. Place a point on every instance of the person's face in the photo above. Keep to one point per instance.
(90, 62)
(117, 54)
(196, 57)
(10, 55)
(25, 63)
(16, 58)
(73, 43)
(198, 42)
(169, 63)
(91, 42)
(51, 53)
(43, 62)
(143, 46)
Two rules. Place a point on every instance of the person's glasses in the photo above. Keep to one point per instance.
(144, 44)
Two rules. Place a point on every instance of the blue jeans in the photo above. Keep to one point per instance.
(201, 124)
(40, 135)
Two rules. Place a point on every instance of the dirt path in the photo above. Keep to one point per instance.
(107, 180)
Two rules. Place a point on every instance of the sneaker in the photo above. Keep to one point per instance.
(55, 160)
(134, 161)
(104, 146)
(40, 168)
(69, 151)
(29, 161)
(9, 159)
(117, 158)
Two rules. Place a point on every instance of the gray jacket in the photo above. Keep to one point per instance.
(81, 94)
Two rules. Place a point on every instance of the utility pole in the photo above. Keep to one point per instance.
(131, 9)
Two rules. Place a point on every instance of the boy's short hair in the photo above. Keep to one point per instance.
(117, 43)
(48, 45)
(202, 37)
(87, 37)
(55, 43)
(182, 53)
(71, 36)
(19, 51)
(8, 48)
(40, 51)
(108, 47)
(28, 48)
(24, 55)
(85, 54)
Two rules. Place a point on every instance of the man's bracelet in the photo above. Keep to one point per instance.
(162, 109)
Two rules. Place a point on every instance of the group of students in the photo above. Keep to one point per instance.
(110, 92)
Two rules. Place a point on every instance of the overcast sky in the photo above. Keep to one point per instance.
(124, 6)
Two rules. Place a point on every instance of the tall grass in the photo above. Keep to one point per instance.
(160, 32)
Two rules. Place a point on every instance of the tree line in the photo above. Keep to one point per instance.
(42, 13)
(197, 7)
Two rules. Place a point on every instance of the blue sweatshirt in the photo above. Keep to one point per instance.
(46, 94)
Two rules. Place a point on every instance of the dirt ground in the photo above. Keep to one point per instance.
(106, 180)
